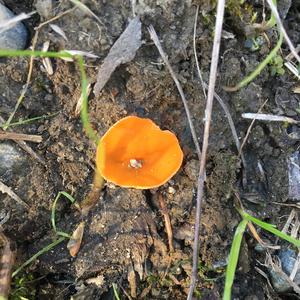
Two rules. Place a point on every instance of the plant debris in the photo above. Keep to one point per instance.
(123, 51)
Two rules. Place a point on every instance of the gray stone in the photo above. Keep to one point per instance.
(15, 37)
(44, 8)
(12, 161)
(287, 259)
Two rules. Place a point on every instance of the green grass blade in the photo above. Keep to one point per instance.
(30, 120)
(20, 53)
(35, 256)
(64, 234)
(53, 209)
(262, 65)
(272, 21)
(115, 291)
(271, 229)
(91, 133)
(233, 258)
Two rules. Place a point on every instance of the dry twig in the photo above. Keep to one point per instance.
(219, 99)
(20, 137)
(249, 129)
(26, 148)
(7, 190)
(164, 212)
(267, 117)
(156, 41)
(208, 113)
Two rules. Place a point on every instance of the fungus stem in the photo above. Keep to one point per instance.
(93, 196)
(91, 133)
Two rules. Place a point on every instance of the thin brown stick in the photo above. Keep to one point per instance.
(26, 148)
(7, 190)
(164, 212)
(6, 262)
(156, 41)
(20, 137)
(55, 18)
(250, 128)
(208, 113)
(219, 99)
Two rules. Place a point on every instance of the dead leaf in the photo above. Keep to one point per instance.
(58, 30)
(75, 240)
(123, 51)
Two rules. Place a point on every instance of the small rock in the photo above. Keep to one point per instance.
(15, 37)
(11, 160)
(191, 169)
(287, 259)
(171, 190)
(294, 176)
(184, 232)
(44, 8)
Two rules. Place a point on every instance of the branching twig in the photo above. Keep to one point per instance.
(208, 113)
(219, 99)
(156, 41)
(249, 129)
(164, 212)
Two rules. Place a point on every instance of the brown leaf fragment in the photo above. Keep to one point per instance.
(123, 51)
(75, 240)
(6, 261)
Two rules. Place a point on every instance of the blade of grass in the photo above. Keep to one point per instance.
(12, 53)
(27, 121)
(258, 69)
(91, 133)
(35, 256)
(271, 228)
(233, 258)
(115, 291)
(272, 21)
(53, 209)
(282, 29)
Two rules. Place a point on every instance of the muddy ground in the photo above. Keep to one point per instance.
(125, 240)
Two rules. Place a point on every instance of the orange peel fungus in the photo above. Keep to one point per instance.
(136, 153)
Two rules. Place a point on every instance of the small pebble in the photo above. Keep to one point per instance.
(12, 161)
(44, 8)
(191, 169)
(171, 190)
(287, 260)
(15, 37)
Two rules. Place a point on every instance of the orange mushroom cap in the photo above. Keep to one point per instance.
(136, 153)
